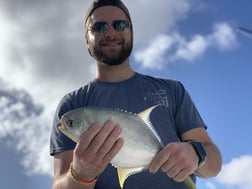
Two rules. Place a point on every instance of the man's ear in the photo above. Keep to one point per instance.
(86, 40)
(87, 44)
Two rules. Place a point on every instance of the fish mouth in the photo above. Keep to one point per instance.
(63, 129)
(62, 126)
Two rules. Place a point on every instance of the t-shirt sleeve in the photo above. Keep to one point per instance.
(58, 141)
(187, 116)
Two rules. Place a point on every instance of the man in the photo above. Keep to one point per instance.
(189, 149)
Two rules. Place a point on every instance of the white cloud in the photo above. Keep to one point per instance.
(173, 47)
(26, 128)
(42, 47)
(190, 50)
(237, 173)
(224, 36)
(153, 19)
(210, 185)
(153, 55)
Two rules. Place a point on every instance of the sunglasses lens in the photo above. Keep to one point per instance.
(120, 25)
(99, 27)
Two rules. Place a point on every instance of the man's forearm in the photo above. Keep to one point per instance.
(213, 162)
(66, 182)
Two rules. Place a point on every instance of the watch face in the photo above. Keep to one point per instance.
(201, 152)
(199, 148)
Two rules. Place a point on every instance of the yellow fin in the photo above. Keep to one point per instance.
(189, 183)
(124, 173)
(145, 115)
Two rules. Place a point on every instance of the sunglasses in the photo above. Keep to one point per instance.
(102, 27)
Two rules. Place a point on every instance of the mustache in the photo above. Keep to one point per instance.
(114, 39)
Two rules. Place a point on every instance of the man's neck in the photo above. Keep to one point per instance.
(117, 73)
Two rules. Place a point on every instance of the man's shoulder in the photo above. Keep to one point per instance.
(79, 91)
(160, 80)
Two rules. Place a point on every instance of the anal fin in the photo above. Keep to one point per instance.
(189, 183)
(124, 173)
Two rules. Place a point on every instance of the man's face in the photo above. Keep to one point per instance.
(109, 35)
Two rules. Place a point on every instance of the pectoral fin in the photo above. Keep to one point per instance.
(124, 173)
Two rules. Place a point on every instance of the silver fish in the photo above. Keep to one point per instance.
(141, 141)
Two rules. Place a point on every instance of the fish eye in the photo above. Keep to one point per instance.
(70, 123)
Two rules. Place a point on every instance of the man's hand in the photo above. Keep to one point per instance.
(177, 160)
(95, 149)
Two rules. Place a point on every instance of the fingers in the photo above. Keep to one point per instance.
(105, 139)
(100, 139)
(114, 150)
(175, 160)
(88, 136)
(97, 147)
(160, 159)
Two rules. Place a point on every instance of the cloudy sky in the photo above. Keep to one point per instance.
(43, 56)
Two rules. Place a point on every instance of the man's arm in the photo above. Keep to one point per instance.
(62, 180)
(95, 149)
(213, 162)
(179, 159)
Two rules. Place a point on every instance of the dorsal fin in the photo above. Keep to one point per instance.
(145, 116)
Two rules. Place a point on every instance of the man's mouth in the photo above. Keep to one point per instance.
(112, 44)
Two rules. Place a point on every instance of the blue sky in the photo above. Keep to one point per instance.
(43, 56)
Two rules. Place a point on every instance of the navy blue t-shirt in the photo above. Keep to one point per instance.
(176, 115)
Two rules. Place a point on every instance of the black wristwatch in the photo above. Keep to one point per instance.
(199, 148)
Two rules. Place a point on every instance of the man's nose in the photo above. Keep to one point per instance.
(111, 32)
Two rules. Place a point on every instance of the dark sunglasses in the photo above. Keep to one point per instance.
(102, 27)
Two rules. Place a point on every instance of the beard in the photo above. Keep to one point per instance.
(112, 58)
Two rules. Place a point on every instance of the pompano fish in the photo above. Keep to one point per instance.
(141, 141)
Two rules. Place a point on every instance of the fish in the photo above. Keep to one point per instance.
(141, 142)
